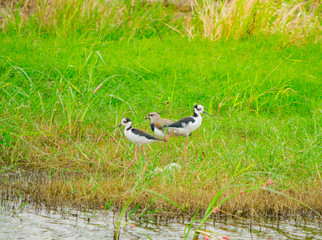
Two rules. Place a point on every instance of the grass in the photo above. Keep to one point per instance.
(267, 99)
(58, 145)
(295, 20)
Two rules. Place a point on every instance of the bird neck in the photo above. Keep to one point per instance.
(128, 127)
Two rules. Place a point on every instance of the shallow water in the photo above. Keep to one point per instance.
(34, 223)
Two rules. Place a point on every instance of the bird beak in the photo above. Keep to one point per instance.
(118, 126)
(148, 117)
(207, 114)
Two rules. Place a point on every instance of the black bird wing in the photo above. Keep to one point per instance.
(181, 123)
(142, 133)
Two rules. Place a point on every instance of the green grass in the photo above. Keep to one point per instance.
(267, 97)
(264, 91)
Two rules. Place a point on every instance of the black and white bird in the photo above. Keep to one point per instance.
(157, 126)
(138, 137)
(185, 126)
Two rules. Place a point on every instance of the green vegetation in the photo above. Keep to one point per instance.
(263, 87)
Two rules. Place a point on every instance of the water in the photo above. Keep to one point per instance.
(34, 223)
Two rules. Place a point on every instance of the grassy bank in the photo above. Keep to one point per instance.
(58, 145)
(266, 97)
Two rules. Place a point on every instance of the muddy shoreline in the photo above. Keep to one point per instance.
(53, 190)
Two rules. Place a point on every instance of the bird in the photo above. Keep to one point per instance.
(186, 125)
(138, 137)
(157, 124)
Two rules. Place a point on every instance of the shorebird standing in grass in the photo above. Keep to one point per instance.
(157, 126)
(138, 137)
(185, 126)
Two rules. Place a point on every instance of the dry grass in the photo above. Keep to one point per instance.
(50, 14)
(240, 18)
(237, 19)
(73, 190)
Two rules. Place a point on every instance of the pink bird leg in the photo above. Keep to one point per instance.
(166, 146)
(136, 151)
(144, 159)
(185, 151)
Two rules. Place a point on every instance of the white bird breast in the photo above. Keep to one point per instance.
(186, 129)
(159, 133)
(136, 138)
